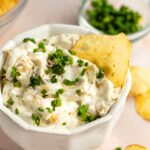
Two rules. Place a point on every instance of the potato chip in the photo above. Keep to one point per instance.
(112, 53)
(6, 5)
(135, 147)
(143, 105)
(140, 80)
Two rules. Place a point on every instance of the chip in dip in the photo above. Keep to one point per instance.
(46, 84)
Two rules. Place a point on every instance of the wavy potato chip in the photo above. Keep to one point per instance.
(112, 53)
(140, 80)
(143, 105)
(135, 147)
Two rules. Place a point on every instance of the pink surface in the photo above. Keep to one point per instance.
(131, 128)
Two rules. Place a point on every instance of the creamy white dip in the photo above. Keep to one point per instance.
(47, 85)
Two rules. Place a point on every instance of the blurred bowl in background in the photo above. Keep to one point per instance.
(8, 18)
(142, 6)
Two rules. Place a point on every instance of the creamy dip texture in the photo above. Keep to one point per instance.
(46, 84)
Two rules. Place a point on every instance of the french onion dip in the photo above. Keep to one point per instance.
(47, 85)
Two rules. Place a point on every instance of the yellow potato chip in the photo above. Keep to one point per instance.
(112, 53)
(143, 105)
(135, 147)
(140, 80)
(6, 5)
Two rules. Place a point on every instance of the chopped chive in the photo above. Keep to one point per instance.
(14, 73)
(83, 71)
(82, 112)
(10, 101)
(48, 71)
(44, 93)
(16, 111)
(78, 92)
(100, 73)
(80, 62)
(53, 79)
(56, 102)
(64, 123)
(49, 110)
(58, 92)
(29, 39)
(35, 50)
(91, 118)
(35, 80)
(72, 52)
(118, 148)
(41, 46)
(82, 109)
(40, 109)
(86, 64)
(17, 84)
(36, 119)
(70, 83)
(57, 69)
(59, 60)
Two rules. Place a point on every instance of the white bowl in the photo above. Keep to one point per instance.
(86, 137)
(142, 6)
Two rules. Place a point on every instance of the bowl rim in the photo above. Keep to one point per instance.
(12, 13)
(26, 126)
(133, 36)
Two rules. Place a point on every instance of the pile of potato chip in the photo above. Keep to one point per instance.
(135, 147)
(141, 90)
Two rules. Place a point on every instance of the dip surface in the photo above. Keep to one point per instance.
(47, 85)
